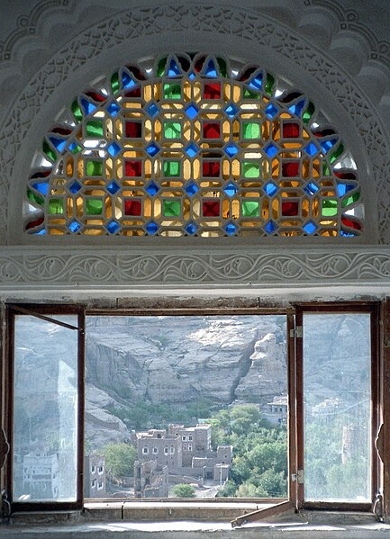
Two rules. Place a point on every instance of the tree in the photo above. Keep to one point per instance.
(183, 490)
(120, 459)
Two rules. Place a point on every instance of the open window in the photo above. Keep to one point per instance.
(45, 419)
(278, 406)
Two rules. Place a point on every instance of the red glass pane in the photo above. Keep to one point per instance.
(211, 130)
(35, 223)
(290, 169)
(133, 129)
(211, 169)
(212, 91)
(136, 92)
(132, 207)
(291, 130)
(290, 208)
(351, 224)
(344, 175)
(133, 168)
(211, 208)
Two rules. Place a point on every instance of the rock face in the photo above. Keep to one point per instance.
(177, 360)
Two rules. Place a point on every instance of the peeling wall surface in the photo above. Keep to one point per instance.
(335, 51)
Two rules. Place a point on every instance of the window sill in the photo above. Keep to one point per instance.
(321, 525)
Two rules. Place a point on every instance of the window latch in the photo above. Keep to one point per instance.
(296, 332)
(298, 477)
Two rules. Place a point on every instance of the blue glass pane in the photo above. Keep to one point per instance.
(230, 229)
(127, 80)
(271, 149)
(192, 111)
(113, 227)
(231, 110)
(113, 149)
(151, 228)
(192, 76)
(40, 232)
(75, 187)
(311, 188)
(113, 187)
(297, 108)
(152, 109)
(326, 145)
(191, 189)
(191, 228)
(211, 70)
(152, 189)
(58, 143)
(231, 189)
(347, 234)
(153, 149)
(271, 111)
(74, 226)
(311, 149)
(231, 150)
(173, 69)
(74, 148)
(310, 227)
(270, 227)
(42, 187)
(87, 106)
(113, 109)
(256, 82)
(270, 188)
(191, 150)
(343, 188)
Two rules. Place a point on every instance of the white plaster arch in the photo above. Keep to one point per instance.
(246, 33)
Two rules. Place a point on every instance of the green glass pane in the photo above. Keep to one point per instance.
(94, 128)
(94, 168)
(172, 130)
(171, 169)
(34, 197)
(222, 67)
(171, 208)
(336, 154)
(172, 91)
(56, 205)
(77, 111)
(248, 94)
(251, 130)
(251, 170)
(94, 206)
(161, 66)
(48, 151)
(250, 208)
(308, 112)
(269, 84)
(115, 82)
(350, 199)
(329, 207)
(325, 170)
(75, 148)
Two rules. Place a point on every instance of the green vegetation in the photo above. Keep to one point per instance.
(183, 490)
(140, 414)
(120, 459)
(259, 466)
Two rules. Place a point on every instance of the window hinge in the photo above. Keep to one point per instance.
(298, 477)
(296, 332)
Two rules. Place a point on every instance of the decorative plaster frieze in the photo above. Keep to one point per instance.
(112, 269)
(238, 24)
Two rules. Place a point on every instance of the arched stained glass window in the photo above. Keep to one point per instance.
(192, 147)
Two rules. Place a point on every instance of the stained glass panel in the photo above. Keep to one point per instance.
(190, 146)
